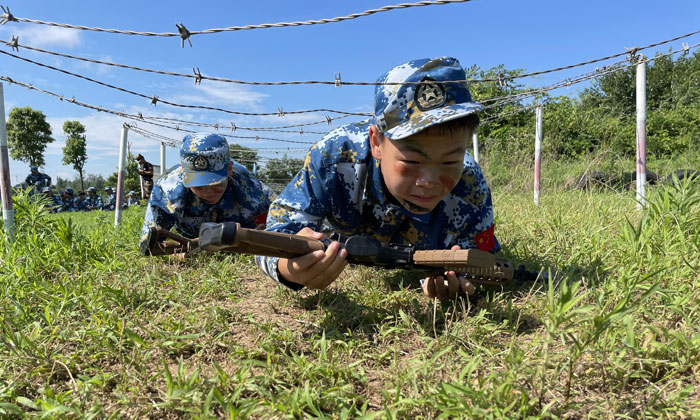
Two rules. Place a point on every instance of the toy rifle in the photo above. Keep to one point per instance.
(480, 267)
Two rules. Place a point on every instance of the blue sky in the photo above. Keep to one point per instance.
(531, 35)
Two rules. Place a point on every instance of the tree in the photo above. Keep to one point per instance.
(28, 133)
(132, 180)
(243, 155)
(279, 172)
(75, 150)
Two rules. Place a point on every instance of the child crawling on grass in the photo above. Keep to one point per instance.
(403, 177)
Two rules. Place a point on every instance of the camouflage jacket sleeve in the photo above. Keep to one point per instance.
(475, 209)
(303, 203)
(156, 216)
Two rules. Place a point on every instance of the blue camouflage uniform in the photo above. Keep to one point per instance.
(93, 202)
(110, 201)
(204, 161)
(80, 204)
(68, 202)
(33, 178)
(342, 183)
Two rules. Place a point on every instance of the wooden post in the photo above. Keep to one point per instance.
(538, 151)
(120, 176)
(641, 132)
(475, 142)
(162, 159)
(8, 215)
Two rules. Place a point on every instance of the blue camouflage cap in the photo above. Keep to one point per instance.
(405, 109)
(69, 190)
(205, 159)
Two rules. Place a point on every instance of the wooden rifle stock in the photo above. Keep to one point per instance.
(480, 267)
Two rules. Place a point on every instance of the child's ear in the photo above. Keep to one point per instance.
(375, 141)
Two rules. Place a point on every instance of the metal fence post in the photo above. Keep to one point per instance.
(8, 215)
(120, 176)
(162, 159)
(641, 132)
(538, 151)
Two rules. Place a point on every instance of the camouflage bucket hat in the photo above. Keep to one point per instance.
(205, 159)
(405, 109)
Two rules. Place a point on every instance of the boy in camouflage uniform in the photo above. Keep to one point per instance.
(404, 177)
(110, 202)
(208, 186)
(93, 201)
(56, 203)
(36, 176)
(68, 200)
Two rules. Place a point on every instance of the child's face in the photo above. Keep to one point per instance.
(420, 170)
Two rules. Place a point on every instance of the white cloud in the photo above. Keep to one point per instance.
(45, 36)
(221, 95)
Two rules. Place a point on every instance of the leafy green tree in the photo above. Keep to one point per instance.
(132, 180)
(75, 150)
(279, 172)
(28, 133)
(243, 155)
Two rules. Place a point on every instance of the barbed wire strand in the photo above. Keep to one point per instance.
(184, 33)
(198, 76)
(155, 99)
(130, 116)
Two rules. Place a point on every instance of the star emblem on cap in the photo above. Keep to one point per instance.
(200, 163)
(429, 95)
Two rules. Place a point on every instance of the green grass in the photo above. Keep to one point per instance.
(90, 329)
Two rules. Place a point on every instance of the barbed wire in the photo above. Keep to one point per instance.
(503, 100)
(155, 99)
(234, 127)
(493, 118)
(185, 34)
(217, 126)
(198, 76)
(130, 116)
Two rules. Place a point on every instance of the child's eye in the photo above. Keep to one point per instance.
(410, 162)
(451, 163)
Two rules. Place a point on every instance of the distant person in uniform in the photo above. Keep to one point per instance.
(56, 202)
(132, 199)
(207, 186)
(68, 200)
(35, 191)
(110, 202)
(36, 176)
(94, 201)
(80, 202)
(146, 171)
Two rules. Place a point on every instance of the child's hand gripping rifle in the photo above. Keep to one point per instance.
(164, 242)
(479, 267)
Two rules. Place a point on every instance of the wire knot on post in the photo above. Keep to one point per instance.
(197, 76)
(6, 16)
(233, 126)
(329, 120)
(280, 112)
(184, 34)
(154, 100)
(632, 58)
